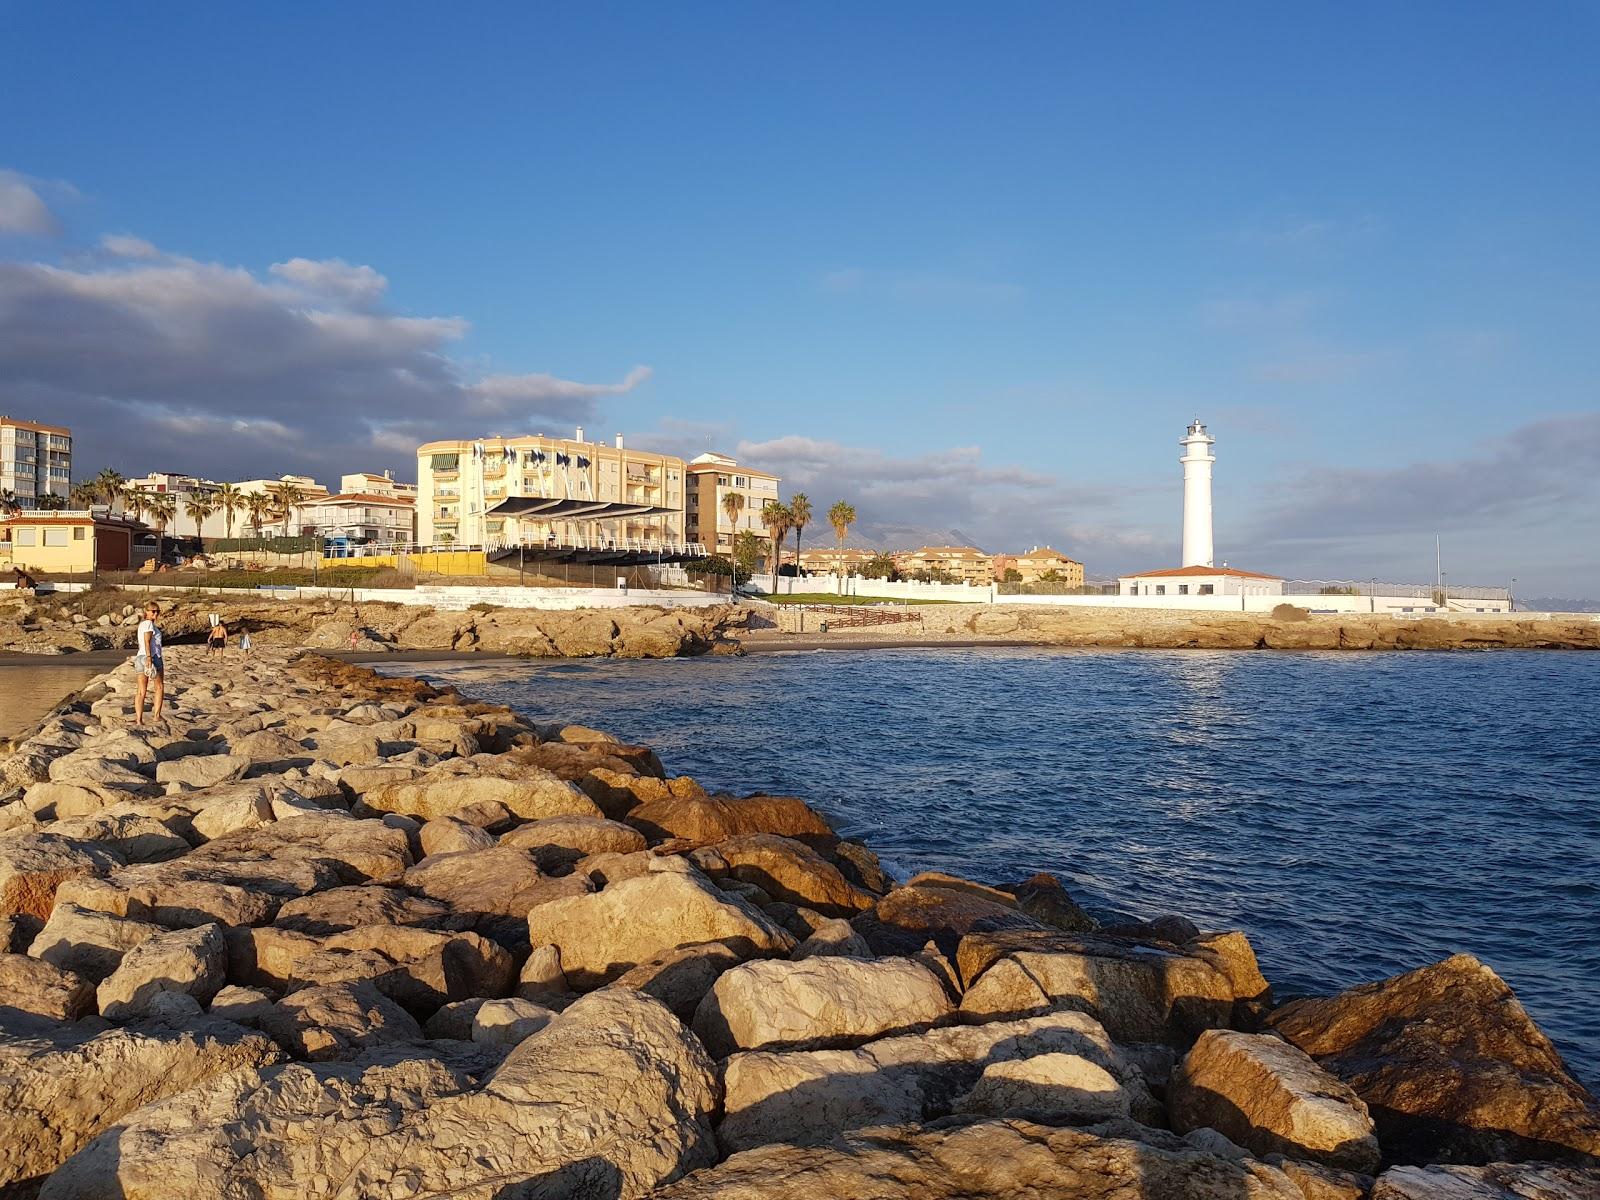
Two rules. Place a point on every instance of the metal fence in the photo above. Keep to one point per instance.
(1377, 587)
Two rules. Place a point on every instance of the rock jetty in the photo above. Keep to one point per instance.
(323, 934)
(108, 619)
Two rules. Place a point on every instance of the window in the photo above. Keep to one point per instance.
(77, 533)
(1205, 589)
(1161, 589)
(1183, 589)
(27, 535)
(740, 481)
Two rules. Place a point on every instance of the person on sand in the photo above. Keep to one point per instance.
(217, 639)
(244, 639)
(149, 663)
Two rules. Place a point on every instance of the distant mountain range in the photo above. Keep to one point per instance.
(1556, 604)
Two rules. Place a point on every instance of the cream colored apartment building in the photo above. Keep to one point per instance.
(549, 491)
(962, 564)
(1033, 566)
(835, 560)
(712, 477)
(35, 460)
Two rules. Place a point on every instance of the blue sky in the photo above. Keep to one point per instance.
(971, 267)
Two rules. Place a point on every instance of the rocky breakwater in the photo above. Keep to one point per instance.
(325, 934)
(108, 619)
(1291, 627)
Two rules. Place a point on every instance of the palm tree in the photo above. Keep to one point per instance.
(132, 499)
(259, 506)
(800, 514)
(109, 484)
(841, 516)
(8, 503)
(733, 505)
(199, 506)
(163, 508)
(286, 497)
(84, 494)
(50, 502)
(778, 520)
(229, 501)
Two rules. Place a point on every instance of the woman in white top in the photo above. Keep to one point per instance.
(149, 662)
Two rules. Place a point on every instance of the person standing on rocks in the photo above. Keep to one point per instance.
(149, 663)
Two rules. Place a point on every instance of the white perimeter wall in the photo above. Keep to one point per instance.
(966, 593)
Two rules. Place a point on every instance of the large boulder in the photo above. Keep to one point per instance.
(60, 1086)
(808, 1096)
(34, 865)
(823, 1001)
(202, 771)
(679, 978)
(609, 932)
(791, 871)
(338, 1021)
(610, 1099)
(1139, 991)
(87, 942)
(494, 888)
(706, 820)
(1267, 1096)
(421, 969)
(529, 792)
(908, 918)
(341, 908)
(191, 961)
(1500, 1181)
(991, 1159)
(41, 989)
(1058, 1088)
(1451, 1066)
(560, 842)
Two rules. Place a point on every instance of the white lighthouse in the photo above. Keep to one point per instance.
(1197, 459)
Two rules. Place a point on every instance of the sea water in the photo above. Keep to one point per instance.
(1356, 814)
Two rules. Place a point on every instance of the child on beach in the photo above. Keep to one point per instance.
(244, 639)
(149, 663)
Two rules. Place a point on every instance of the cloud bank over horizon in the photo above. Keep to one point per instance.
(164, 362)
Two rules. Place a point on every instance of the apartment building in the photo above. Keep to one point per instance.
(364, 517)
(835, 560)
(960, 564)
(712, 478)
(369, 484)
(547, 491)
(35, 461)
(293, 524)
(1038, 563)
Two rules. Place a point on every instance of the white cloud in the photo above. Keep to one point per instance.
(334, 279)
(122, 245)
(22, 209)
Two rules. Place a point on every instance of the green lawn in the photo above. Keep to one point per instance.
(846, 601)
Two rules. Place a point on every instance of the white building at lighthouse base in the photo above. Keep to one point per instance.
(1200, 581)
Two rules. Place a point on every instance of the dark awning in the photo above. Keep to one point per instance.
(558, 509)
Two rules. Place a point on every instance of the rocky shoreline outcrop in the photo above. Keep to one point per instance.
(108, 619)
(326, 934)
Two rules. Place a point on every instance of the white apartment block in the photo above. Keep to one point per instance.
(35, 461)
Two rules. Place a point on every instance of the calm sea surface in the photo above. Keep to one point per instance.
(1357, 814)
(29, 691)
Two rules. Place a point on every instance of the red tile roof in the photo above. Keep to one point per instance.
(1233, 571)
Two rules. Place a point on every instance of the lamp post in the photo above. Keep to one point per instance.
(1511, 596)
